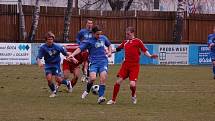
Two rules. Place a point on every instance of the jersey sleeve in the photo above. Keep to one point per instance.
(121, 46)
(63, 50)
(84, 45)
(107, 41)
(79, 37)
(142, 46)
(40, 53)
(210, 39)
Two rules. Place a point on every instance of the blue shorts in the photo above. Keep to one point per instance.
(53, 69)
(98, 66)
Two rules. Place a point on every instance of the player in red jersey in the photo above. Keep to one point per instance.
(71, 67)
(130, 67)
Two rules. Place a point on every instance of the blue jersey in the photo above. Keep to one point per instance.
(96, 48)
(211, 39)
(51, 53)
(83, 34)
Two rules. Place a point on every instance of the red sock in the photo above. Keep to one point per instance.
(115, 91)
(133, 91)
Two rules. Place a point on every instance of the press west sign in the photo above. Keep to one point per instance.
(173, 54)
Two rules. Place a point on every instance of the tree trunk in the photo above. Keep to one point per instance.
(67, 19)
(127, 7)
(178, 28)
(76, 4)
(35, 21)
(22, 32)
(116, 5)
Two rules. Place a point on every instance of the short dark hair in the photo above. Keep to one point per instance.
(49, 34)
(96, 28)
(88, 19)
(131, 29)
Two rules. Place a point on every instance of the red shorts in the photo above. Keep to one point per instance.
(69, 66)
(85, 55)
(130, 70)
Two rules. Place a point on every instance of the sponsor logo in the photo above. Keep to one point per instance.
(23, 47)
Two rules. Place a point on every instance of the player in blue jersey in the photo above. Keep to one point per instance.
(98, 60)
(84, 34)
(211, 45)
(51, 53)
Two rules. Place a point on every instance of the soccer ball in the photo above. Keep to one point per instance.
(95, 89)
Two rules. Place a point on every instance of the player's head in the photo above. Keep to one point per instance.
(130, 31)
(96, 31)
(89, 23)
(49, 38)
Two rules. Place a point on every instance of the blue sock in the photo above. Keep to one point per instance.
(52, 87)
(64, 82)
(101, 90)
(214, 70)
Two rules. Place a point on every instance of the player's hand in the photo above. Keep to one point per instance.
(109, 54)
(211, 45)
(154, 56)
(73, 59)
(41, 65)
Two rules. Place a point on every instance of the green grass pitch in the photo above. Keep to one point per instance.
(164, 93)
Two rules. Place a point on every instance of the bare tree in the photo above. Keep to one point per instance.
(67, 19)
(35, 21)
(128, 5)
(115, 5)
(22, 32)
(177, 33)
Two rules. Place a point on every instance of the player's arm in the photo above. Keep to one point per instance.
(114, 50)
(78, 37)
(108, 45)
(119, 48)
(84, 45)
(145, 51)
(72, 56)
(210, 42)
(109, 53)
(39, 57)
(154, 56)
(64, 51)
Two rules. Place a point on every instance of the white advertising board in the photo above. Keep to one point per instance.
(173, 54)
(15, 53)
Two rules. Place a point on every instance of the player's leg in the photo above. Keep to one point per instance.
(103, 69)
(49, 76)
(213, 62)
(76, 75)
(85, 71)
(133, 76)
(85, 66)
(90, 82)
(103, 77)
(115, 90)
(66, 73)
(93, 68)
(122, 75)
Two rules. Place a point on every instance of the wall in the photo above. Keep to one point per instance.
(169, 54)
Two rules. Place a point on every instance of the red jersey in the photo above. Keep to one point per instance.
(133, 50)
(71, 48)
